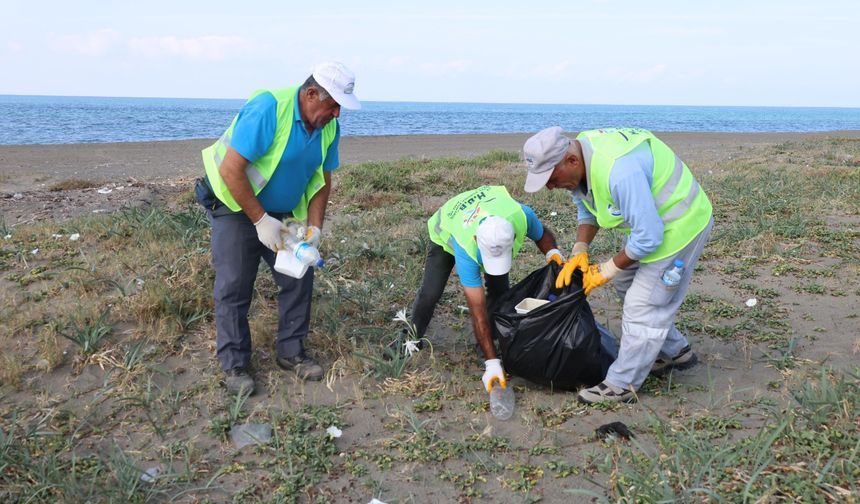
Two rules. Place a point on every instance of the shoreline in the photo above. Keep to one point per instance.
(29, 167)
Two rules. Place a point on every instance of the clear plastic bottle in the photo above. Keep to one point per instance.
(305, 252)
(672, 276)
(502, 402)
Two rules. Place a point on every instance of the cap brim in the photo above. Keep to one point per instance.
(347, 101)
(536, 181)
(496, 265)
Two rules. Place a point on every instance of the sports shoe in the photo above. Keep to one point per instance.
(684, 360)
(605, 392)
(303, 365)
(238, 381)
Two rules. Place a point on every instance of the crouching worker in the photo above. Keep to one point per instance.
(478, 230)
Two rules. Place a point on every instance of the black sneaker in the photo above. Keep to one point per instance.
(684, 360)
(303, 365)
(238, 381)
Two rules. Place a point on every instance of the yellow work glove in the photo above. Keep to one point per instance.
(555, 256)
(599, 274)
(578, 259)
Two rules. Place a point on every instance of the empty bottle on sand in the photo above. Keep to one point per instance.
(502, 402)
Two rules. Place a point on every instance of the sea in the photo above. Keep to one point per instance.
(74, 119)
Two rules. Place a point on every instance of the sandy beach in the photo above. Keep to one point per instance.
(59, 181)
(25, 167)
(772, 308)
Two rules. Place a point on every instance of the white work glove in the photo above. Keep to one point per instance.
(270, 232)
(555, 256)
(313, 235)
(493, 372)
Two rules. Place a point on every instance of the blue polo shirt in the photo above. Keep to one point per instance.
(253, 135)
(469, 271)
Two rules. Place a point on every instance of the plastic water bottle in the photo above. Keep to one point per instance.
(502, 402)
(306, 253)
(672, 276)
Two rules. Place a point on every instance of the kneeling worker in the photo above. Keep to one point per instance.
(480, 229)
(628, 178)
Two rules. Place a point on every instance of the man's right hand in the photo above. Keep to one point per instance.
(270, 232)
(578, 259)
(493, 373)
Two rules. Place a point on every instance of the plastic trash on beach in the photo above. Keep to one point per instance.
(105, 190)
(334, 432)
(247, 434)
(75, 236)
(34, 251)
(149, 475)
(375, 501)
(751, 302)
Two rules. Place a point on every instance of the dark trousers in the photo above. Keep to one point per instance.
(437, 269)
(236, 254)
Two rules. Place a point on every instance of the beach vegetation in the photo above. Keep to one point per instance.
(110, 390)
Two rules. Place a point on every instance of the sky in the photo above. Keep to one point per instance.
(745, 53)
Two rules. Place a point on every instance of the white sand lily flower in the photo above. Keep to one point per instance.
(34, 251)
(7, 237)
(401, 316)
(334, 432)
(410, 347)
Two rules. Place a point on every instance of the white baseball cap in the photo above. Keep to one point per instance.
(542, 152)
(339, 81)
(495, 241)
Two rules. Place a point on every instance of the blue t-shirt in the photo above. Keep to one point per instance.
(469, 271)
(253, 135)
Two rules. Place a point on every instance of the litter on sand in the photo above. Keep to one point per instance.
(149, 475)
(75, 236)
(105, 190)
(247, 434)
(334, 432)
(752, 302)
(614, 428)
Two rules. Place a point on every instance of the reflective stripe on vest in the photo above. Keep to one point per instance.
(683, 207)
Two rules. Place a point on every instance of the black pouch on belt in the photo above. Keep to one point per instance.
(204, 194)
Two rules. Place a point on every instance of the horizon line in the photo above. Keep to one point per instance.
(452, 102)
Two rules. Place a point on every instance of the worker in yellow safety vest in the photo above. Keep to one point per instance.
(479, 231)
(627, 178)
(273, 162)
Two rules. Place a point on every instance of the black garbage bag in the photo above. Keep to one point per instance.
(557, 344)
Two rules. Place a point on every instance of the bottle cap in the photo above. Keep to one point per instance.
(679, 263)
(320, 263)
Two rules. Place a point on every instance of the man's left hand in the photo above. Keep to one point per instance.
(313, 235)
(599, 274)
(555, 256)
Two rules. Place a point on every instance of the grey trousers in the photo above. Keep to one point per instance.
(236, 254)
(648, 319)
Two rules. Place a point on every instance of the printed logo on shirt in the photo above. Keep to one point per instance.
(471, 215)
(613, 211)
